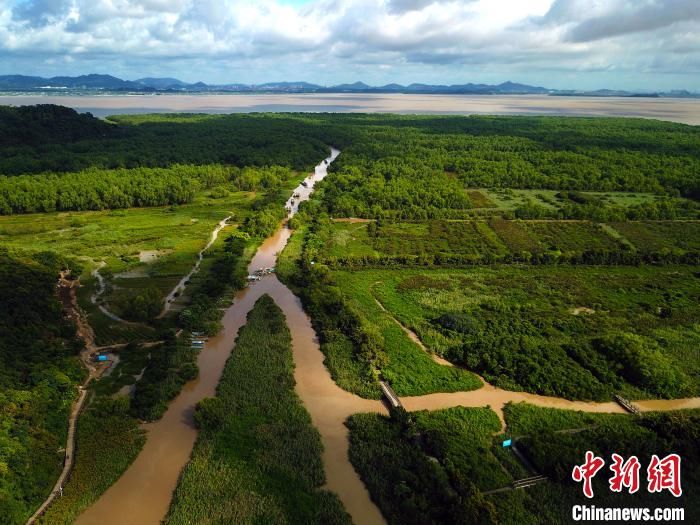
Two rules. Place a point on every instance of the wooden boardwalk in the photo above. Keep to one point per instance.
(390, 395)
(627, 405)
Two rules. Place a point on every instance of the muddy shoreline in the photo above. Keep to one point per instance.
(682, 110)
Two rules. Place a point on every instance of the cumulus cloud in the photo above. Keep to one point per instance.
(460, 40)
(624, 17)
(401, 6)
(40, 12)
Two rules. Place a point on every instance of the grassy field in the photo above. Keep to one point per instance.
(173, 234)
(409, 369)
(661, 236)
(577, 332)
(141, 248)
(571, 237)
(258, 457)
(117, 237)
(508, 199)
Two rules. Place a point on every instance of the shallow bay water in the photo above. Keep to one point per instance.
(683, 110)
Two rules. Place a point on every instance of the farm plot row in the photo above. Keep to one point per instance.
(444, 242)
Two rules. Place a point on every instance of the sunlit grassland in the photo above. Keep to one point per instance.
(662, 235)
(564, 307)
(350, 239)
(117, 237)
(258, 457)
(504, 199)
(410, 370)
(571, 237)
(510, 198)
(140, 248)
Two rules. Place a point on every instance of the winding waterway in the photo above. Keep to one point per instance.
(143, 494)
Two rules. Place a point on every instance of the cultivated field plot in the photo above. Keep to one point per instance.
(465, 237)
(469, 239)
(672, 236)
(500, 199)
(350, 240)
(572, 237)
(480, 199)
(511, 198)
(516, 236)
(574, 332)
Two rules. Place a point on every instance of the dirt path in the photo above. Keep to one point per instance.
(66, 294)
(180, 287)
(99, 291)
(411, 334)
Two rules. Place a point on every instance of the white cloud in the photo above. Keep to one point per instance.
(460, 40)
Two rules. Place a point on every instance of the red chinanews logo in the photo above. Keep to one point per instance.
(662, 474)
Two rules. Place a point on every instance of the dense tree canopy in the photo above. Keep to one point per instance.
(48, 138)
(38, 371)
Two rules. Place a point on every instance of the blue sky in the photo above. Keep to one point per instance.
(587, 44)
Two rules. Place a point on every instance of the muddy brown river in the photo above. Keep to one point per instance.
(143, 493)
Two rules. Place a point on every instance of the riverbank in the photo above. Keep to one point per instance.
(274, 471)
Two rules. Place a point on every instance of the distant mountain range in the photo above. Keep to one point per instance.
(108, 83)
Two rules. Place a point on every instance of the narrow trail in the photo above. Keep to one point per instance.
(411, 334)
(180, 286)
(67, 296)
(99, 291)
